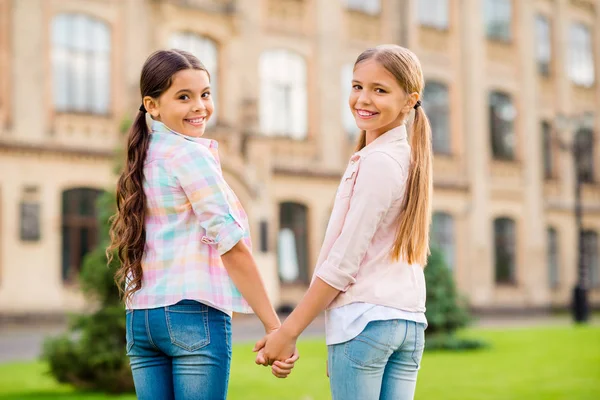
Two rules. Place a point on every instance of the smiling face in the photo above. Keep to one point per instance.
(186, 105)
(377, 101)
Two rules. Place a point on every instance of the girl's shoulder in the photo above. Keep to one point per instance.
(175, 146)
(384, 158)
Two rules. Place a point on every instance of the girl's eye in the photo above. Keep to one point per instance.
(356, 87)
(184, 97)
(206, 95)
(380, 90)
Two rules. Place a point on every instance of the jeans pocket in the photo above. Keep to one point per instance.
(417, 354)
(128, 330)
(372, 345)
(188, 325)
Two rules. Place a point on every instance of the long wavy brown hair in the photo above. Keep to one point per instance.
(412, 236)
(127, 231)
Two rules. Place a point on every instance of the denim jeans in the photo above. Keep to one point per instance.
(381, 363)
(179, 352)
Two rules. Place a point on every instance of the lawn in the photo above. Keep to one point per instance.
(558, 363)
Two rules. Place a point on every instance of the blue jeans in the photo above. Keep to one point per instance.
(179, 352)
(381, 363)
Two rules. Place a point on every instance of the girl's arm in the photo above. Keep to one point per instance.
(243, 271)
(372, 197)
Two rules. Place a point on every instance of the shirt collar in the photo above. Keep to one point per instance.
(159, 127)
(393, 135)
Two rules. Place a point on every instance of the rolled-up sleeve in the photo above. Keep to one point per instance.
(375, 189)
(200, 177)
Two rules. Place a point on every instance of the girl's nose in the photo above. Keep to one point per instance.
(199, 105)
(363, 98)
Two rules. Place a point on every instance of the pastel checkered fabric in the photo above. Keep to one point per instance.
(192, 218)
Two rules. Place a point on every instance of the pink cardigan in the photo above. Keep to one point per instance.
(355, 257)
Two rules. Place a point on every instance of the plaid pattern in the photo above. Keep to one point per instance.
(192, 218)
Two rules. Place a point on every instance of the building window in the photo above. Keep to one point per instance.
(547, 150)
(543, 45)
(442, 236)
(591, 261)
(436, 102)
(205, 50)
(552, 258)
(584, 143)
(502, 121)
(581, 56)
(292, 246)
(347, 117)
(283, 105)
(371, 7)
(498, 19)
(434, 13)
(79, 229)
(505, 250)
(81, 64)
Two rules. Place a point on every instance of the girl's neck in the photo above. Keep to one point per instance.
(370, 136)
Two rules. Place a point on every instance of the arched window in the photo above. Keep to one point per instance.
(585, 155)
(552, 258)
(442, 236)
(283, 98)
(436, 102)
(79, 228)
(581, 55)
(505, 250)
(81, 64)
(502, 126)
(293, 243)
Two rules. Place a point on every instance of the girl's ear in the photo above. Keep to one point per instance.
(151, 106)
(410, 102)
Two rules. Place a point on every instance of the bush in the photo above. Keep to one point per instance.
(446, 309)
(442, 341)
(91, 355)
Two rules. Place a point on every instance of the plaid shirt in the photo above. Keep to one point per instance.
(192, 218)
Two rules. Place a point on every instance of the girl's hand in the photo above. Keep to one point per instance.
(275, 346)
(282, 369)
(279, 346)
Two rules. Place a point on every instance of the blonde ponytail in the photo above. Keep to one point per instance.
(412, 237)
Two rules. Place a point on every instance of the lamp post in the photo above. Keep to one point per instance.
(569, 139)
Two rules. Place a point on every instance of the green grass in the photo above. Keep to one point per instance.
(558, 363)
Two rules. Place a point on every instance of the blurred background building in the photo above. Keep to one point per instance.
(512, 89)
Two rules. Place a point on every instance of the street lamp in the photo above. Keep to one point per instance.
(569, 139)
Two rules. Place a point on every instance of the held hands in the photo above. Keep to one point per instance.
(277, 349)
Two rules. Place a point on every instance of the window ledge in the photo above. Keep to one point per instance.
(445, 155)
(80, 114)
(501, 41)
(551, 179)
(507, 285)
(582, 86)
(435, 28)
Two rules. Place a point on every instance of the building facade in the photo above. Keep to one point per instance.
(499, 73)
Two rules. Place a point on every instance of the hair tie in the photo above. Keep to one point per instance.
(142, 108)
(417, 104)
